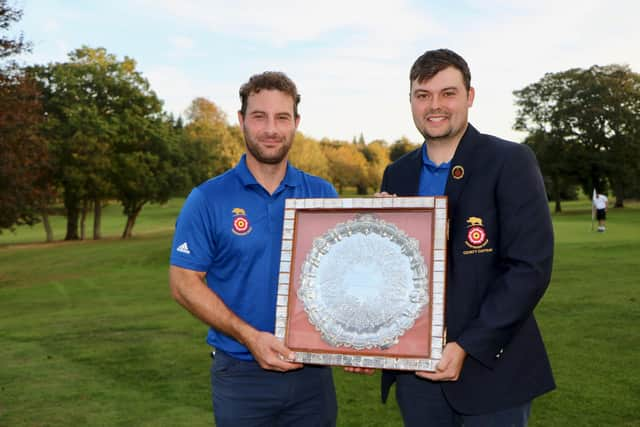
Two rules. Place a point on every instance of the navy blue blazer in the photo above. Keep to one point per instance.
(500, 254)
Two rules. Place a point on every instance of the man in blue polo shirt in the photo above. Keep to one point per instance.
(225, 262)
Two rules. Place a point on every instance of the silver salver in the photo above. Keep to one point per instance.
(364, 283)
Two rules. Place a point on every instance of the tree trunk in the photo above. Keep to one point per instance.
(619, 192)
(83, 217)
(97, 219)
(72, 224)
(555, 185)
(131, 221)
(47, 225)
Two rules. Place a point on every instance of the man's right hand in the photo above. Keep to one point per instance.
(384, 194)
(271, 353)
(358, 370)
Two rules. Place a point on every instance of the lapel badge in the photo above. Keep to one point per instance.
(241, 226)
(457, 172)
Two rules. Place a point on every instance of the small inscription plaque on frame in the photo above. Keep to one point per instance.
(362, 281)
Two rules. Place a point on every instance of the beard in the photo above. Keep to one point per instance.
(269, 157)
(446, 133)
(436, 136)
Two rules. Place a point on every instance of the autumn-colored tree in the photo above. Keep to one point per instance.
(207, 133)
(25, 189)
(306, 154)
(376, 154)
(347, 165)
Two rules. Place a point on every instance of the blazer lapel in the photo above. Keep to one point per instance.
(461, 167)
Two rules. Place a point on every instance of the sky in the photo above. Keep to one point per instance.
(349, 58)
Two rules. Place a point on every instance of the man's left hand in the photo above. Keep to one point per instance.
(450, 365)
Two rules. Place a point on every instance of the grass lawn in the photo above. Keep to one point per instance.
(89, 335)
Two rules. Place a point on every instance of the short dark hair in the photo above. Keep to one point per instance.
(432, 62)
(269, 80)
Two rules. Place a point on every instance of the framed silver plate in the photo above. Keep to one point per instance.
(362, 281)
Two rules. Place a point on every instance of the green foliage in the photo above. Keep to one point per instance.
(89, 334)
(591, 119)
(107, 133)
(9, 45)
(557, 172)
(401, 147)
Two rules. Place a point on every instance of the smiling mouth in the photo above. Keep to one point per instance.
(437, 119)
(271, 141)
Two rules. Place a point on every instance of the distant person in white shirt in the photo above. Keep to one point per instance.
(601, 203)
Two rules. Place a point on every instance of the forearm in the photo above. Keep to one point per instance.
(191, 291)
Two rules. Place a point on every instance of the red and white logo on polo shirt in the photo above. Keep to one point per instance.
(476, 234)
(241, 226)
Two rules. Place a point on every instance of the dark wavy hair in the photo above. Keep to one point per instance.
(269, 80)
(432, 62)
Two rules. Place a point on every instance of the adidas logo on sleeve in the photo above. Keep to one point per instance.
(184, 248)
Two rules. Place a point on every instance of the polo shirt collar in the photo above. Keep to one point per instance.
(291, 177)
(426, 161)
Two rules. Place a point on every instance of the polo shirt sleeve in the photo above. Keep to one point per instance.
(193, 244)
(330, 191)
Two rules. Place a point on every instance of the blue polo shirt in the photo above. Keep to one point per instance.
(433, 179)
(231, 228)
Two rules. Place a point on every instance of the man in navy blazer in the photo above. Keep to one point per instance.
(500, 253)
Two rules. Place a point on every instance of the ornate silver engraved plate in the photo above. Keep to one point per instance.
(364, 283)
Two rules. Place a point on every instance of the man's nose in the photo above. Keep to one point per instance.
(434, 102)
(270, 126)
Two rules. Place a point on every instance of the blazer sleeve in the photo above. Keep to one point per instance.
(385, 180)
(525, 258)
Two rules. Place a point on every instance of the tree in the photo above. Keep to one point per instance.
(347, 165)
(592, 117)
(556, 170)
(306, 154)
(93, 102)
(401, 147)
(25, 189)
(148, 166)
(376, 154)
(208, 132)
(10, 46)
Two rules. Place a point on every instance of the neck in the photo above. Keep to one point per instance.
(441, 150)
(268, 175)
